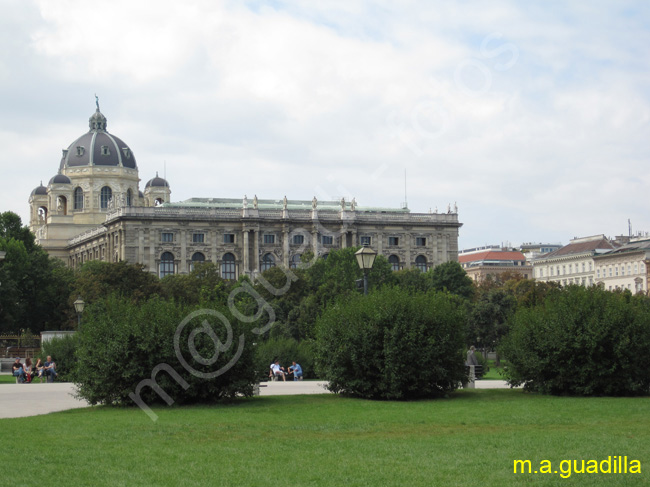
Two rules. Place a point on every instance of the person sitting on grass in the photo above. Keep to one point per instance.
(277, 371)
(49, 369)
(17, 370)
(296, 369)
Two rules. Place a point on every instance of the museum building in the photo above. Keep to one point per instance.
(93, 209)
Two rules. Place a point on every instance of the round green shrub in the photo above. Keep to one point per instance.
(122, 344)
(581, 341)
(393, 345)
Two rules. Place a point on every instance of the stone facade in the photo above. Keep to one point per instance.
(243, 237)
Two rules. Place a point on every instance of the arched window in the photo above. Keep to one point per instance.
(228, 270)
(393, 260)
(104, 197)
(78, 198)
(166, 264)
(42, 213)
(129, 198)
(268, 261)
(421, 263)
(197, 257)
(295, 261)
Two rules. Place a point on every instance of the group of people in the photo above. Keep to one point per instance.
(276, 370)
(26, 373)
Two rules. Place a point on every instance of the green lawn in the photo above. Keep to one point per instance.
(471, 439)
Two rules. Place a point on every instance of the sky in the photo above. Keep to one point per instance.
(532, 117)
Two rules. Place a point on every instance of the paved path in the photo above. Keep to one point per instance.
(21, 400)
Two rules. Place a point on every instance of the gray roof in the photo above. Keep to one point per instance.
(87, 150)
(157, 182)
(39, 190)
(60, 179)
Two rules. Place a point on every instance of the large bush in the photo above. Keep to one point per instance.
(392, 345)
(581, 341)
(286, 350)
(121, 345)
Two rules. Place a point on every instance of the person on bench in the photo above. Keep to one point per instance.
(296, 369)
(278, 371)
(49, 369)
(17, 370)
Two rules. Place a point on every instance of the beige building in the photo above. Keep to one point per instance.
(92, 209)
(626, 267)
(573, 263)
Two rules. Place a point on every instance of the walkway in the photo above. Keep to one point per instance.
(22, 400)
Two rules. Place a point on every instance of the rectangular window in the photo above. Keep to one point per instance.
(420, 241)
(636, 268)
(269, 239)
(393, 241)
(198, 237)
(328, 240)
(598, 273)
(610, 272)
(366, 241)
(228, 238)
(298, 239)
(167, 237)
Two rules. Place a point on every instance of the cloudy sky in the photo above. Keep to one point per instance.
(533, 116)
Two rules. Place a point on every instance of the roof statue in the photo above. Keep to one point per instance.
(343, 203)
(314, 203)
(245, 202)
(97, 101)
(353, 204)
(284, 202)
(255, 202)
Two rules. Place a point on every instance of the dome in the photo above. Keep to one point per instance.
(98, 148)
(157, 182)
(60, 179)
(39, 190)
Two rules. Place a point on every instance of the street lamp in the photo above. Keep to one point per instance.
(79, 306)
(365, 258)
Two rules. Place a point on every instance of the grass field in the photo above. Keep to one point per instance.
(468, 440)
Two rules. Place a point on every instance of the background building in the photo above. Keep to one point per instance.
(573, 263)
(493, 262)
(92, 209)
(625, 267)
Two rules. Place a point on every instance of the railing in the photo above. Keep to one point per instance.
(92, 233)
(275, 214)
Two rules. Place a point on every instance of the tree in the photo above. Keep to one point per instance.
(488, 318)
(96, 280)
(34, 287)
(451, 277)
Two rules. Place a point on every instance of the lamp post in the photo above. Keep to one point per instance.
(79, 306)
(365, 258)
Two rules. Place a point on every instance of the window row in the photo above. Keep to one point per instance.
(366, 241)
(228, 266)
(616, 270)
(105, 195)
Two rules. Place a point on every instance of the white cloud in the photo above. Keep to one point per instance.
(535, 121)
